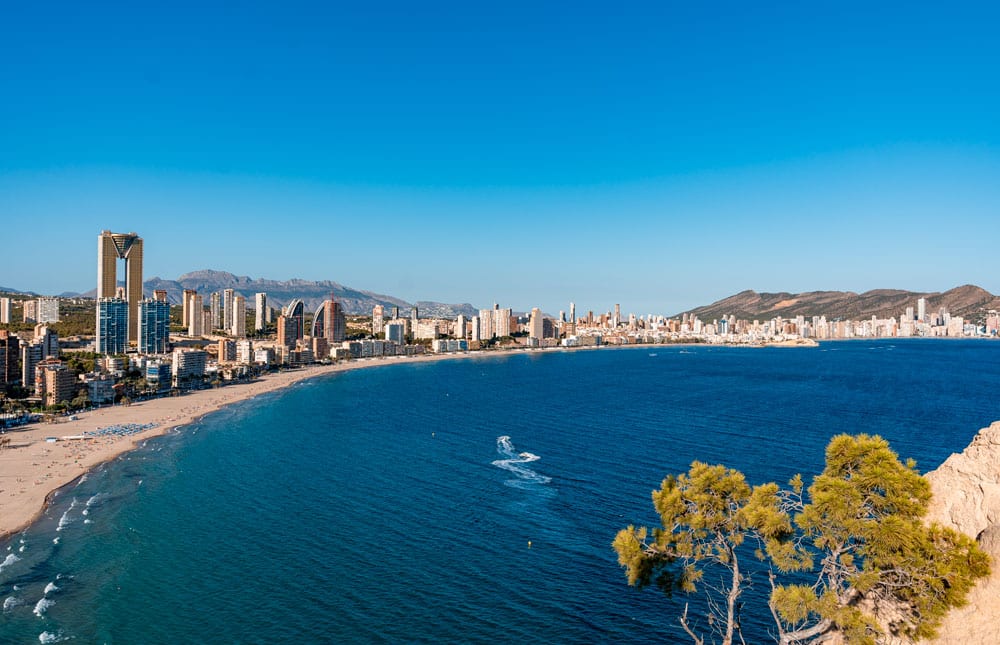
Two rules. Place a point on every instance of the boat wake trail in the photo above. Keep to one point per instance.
(514, 462)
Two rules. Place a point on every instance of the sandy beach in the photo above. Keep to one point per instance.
(31, 468)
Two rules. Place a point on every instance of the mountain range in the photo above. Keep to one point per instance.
(281, 292)
(968, 301)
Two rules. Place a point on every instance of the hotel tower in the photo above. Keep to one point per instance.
(112, 247)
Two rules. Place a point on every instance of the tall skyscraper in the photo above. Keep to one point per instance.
(239, 316)
(196, 312)
(5, 310)
(216, 308)
(30, 313)
(160, 295)
(485, 325)
(617, 320)
(227, 308)
(112, 247)
(260, 311)
(460, 326)
(112, 325)
(378, 319)
(922, 309)
(287, 331)
(501, 321)
(296, 310)
(186, 306)
(572, 312)
(154, 326)
(329, 322)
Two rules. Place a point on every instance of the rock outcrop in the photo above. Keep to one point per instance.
(966, 490)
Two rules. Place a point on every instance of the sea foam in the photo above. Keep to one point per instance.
(514, 461)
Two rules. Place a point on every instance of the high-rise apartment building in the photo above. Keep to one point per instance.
(9, 358)
(572, 312)
(378, 319)
(238, 328)
(395, 330)
(48, 310)
(112, 326)
(260, 311)
(227, 308)
(196, 312)
(485, 324)
(536, 328)
(160, 295)
(186, 306)
(287, 331)
(48, 340)
(296, 310)
(227, 351)
(30, 311)
(460, 326)
(31, 356)
(112, 247)
(501, 321)
(922, 309)
(216, 309)
(154, 327)
(189, 366)
(6, 306)
(55, 382)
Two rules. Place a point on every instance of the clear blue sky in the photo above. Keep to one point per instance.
(660, 155)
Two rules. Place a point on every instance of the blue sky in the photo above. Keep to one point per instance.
(658, 155)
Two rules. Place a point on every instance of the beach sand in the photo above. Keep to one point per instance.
(32, 468)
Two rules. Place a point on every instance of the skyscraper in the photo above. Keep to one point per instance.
(260, 311)
(112, 247)
(536, 328)
(112, 325)
(48, 310)
(296, 310)
(9, 356)
(30, 313)
(215, 308)
(227, 308)
(154, 326)
(5, 309)
(922, 309)
(239, 316)
(186, 306)
(196, 313)
(378, 319)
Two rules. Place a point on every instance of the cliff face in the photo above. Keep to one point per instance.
(967, 498)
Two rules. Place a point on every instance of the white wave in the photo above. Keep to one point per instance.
(42, 606)
(514, 462)
(52, 637)
(50, 588)
(82, 479)
(86, 521)
(21, 549)
(85, 512)
(12, 601)
(64, 521)
(93, 500)
(55, 540)
(9, 560)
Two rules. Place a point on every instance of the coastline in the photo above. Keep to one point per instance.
(32, 469)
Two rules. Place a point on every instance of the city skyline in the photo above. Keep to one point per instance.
(659, 157)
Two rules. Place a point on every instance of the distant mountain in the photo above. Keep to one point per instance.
(968, 301)
(281, 292)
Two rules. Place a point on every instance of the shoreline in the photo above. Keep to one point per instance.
(33, 469)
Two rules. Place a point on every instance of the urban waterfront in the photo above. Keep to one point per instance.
(470, 500)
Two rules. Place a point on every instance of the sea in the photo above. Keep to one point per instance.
(464, 501)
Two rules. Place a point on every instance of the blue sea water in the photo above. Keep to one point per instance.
(460, 501)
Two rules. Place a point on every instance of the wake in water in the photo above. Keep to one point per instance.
(514, 461)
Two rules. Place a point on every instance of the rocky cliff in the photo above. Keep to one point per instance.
(966, 498)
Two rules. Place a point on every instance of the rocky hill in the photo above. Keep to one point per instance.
(281, 292)
(968, 301)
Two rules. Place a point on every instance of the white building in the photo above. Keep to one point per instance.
(48, 310)
(189, 366)
(239, 317)
(260, 311)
